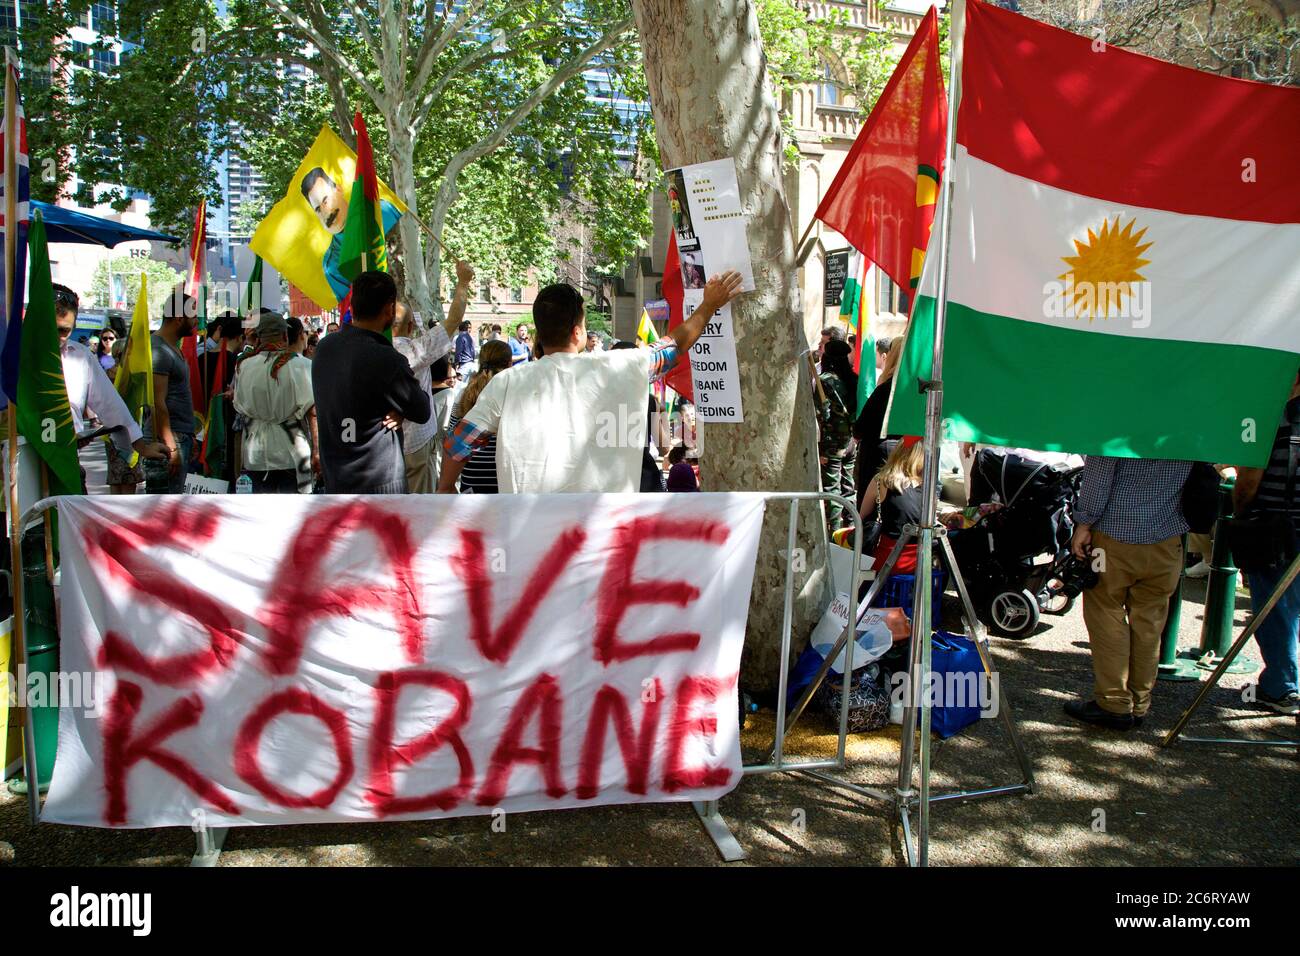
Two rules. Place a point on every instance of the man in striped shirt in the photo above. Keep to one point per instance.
(1129, 519)
(1272, 490)
(573, 421)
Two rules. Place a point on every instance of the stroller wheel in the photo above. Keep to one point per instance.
(1014, 613)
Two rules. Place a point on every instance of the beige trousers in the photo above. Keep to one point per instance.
(1125, 614)
(419, 471)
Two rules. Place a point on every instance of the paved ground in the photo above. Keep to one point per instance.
(1103, 798)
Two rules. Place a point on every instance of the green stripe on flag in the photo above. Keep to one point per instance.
(1033, 385)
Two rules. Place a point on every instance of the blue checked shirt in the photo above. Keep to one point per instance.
(1134, 500)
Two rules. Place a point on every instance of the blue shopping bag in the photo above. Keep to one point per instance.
(958, 675)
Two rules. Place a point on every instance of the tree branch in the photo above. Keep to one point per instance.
(447, 190)
(435, 43)
(476, 57)
(363, 27)
(327, 48)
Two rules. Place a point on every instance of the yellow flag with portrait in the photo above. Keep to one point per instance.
(302, 235)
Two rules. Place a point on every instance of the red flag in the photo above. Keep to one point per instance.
(883, 199)
(194, 288)
(679, 379)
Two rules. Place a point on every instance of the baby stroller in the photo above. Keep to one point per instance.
(1016, 559)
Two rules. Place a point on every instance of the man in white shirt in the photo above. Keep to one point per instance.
(573, 421)
(90, 390)
(273, 391)
(422, 348)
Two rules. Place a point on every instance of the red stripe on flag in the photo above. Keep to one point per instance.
(872, 200)
(366, 160)
(1116, 125)
(674, 289)
(198, 250)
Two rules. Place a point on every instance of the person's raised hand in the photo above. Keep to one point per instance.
(464, 273)
(721, 289)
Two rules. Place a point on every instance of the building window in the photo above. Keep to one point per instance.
(516, 295)
(889, 296)
(828, 94)
(103, 61)
(103, 18)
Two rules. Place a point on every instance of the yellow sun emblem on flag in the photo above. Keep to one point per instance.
(52, 385)
(1102, 275)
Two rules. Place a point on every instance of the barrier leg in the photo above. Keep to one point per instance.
(715, 826)
(208, 843)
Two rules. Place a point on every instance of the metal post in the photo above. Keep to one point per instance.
(921, 615)
(787, 625)
(1173, 667)
(1221, 596)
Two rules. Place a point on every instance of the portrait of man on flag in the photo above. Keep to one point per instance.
(329, 201)
(302, 235)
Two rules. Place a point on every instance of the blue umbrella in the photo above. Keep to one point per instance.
(68, 225)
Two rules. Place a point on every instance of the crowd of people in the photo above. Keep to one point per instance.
(385, 404)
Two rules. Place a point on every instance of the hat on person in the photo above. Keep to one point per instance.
(272, 325)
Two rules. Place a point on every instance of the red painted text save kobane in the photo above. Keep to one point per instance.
(276, 660)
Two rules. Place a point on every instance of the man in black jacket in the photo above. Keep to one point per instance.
(364, 391)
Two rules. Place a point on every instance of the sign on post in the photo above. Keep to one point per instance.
(276, 659)
(837, 273)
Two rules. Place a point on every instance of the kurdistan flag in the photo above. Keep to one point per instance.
(1122, 275)
(44, 415)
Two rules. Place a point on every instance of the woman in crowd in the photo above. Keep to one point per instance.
(836, 448)
(681, 476)
(480, 474)
(893, 498)
(872, 449)
(104, 350)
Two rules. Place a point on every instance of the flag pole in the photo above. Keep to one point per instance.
(921, 607)
(19, 631)
(798, 247)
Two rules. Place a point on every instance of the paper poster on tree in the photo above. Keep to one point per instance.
(709, 223)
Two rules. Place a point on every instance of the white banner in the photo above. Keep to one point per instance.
(276, 659)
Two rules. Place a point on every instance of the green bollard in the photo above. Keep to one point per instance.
(42, 641)
(1221, 597)
(1173, 667)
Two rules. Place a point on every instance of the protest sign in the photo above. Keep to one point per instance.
(704, 201)
(202, 485)
(302, 235)
(715, 375)
(276, 659)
